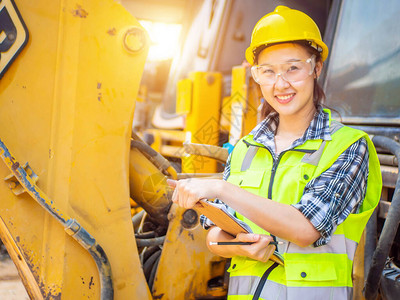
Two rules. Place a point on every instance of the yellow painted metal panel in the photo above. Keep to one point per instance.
(225, 121)
(66, 107)
(187, 263)
(253, 106)
(243, 103)
(239, 87)
(184, 96)
(202, 122)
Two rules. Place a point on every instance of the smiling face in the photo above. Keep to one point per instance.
(289, 99)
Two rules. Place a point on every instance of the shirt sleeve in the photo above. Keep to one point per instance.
(329, 198)
(206, 222)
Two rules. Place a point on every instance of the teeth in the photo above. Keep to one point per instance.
(284, 97)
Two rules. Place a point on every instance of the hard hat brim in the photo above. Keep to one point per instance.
(250, 50)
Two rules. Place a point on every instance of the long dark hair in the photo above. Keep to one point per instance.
(318, 93)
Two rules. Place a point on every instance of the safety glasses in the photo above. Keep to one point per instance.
(291, 71)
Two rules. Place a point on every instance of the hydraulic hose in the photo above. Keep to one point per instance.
(153, 272)
(156, 158)
(371, 236)
(104, 267)
(389, 229)
(150, 268)
(71, 226)
(150, 242)
(145, 235)
(148, 185)
(136, 219)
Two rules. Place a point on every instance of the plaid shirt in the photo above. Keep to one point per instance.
(329, 198)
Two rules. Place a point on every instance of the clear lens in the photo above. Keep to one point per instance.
(290, 71)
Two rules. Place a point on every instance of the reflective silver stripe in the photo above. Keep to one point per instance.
(313, 159)
(338, 244)
(351, 248)
(320, 292)
(335, 126)
(274, 291)
(246, 285)
(248, 158)
(243, 285)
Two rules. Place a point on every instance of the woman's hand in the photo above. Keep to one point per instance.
(189, 191)
(260, 249)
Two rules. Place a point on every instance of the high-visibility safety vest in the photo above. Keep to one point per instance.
(309, 272)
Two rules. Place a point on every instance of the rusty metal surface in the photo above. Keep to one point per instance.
(72, 227)
(24, 270)
(66, 107)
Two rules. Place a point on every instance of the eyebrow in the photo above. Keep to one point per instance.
(294, 60)
(285, 62)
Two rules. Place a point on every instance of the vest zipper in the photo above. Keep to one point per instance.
(273, 172)
(275, 163)
(263, 279)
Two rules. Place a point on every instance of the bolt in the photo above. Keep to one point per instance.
(11, 36)
(134, 39)
(210, 79)
(189, 218)
(12, 185)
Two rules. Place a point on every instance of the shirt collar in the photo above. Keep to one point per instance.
(264, 132)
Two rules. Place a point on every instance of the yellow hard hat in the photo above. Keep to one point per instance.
(284, 25)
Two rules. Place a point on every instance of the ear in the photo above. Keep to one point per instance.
(318, 68)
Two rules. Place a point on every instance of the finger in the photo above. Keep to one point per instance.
(248, 237)
(172, 183)
(174, 197)
(268, 253)
(266, 238)
(191, 201)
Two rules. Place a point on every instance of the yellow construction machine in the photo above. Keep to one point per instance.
(71, 166)
(85, 211)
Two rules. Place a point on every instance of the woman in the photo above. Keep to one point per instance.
(298, 178)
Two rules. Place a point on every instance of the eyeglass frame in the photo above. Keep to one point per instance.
(310, 60)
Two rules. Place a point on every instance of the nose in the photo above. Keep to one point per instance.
(281, 82)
